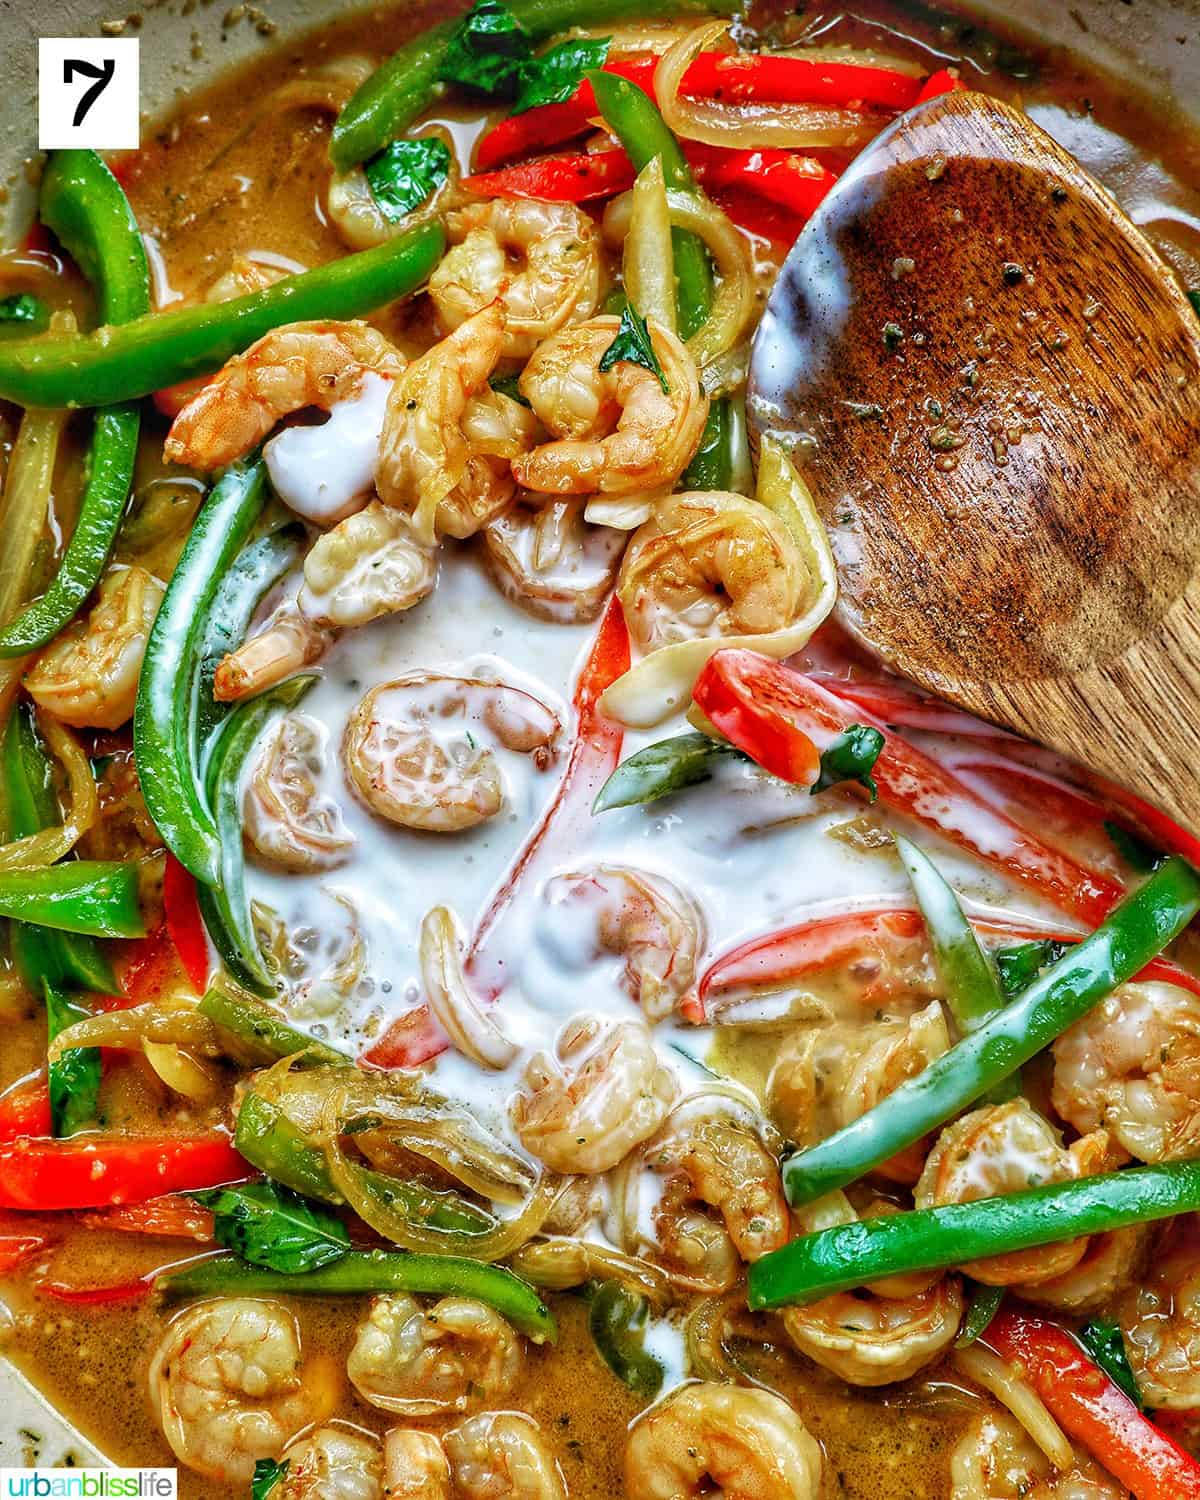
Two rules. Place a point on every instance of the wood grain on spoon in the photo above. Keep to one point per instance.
(993, 384)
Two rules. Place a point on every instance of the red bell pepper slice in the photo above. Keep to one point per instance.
(98, 1296)
(944, 81)
(184, 922)
(793, 181)
(16, 1249)
(95, 1171)
(774, 714)
(552, 124)
(757, 216)
(895, 702)
(410, 1040)
(152, 964)
(574, 178)
(1092, 1409)
(25, 1109)
(171, 400)
(171, 1217)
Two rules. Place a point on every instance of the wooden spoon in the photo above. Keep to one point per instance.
(992, 382)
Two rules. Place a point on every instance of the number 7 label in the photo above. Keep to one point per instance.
(88, 93)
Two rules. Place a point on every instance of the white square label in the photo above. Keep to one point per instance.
(88, 93)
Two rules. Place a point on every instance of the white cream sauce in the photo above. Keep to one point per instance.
(324, 473)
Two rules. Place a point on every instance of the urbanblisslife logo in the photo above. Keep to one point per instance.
(89, 1484)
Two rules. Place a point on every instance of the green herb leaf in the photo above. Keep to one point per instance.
(632, 344)
(617, 1320)
(510, 386)
(1103, 1341)
(662, 768)
(487, 51)
(1134, 850)
(404, 175)
(74, 1078)
(1194, 299)
(23, 313)
(850, 758)
(1020, 964)
(267, 1474)
(554, 76)
(271, 1226)
(984, 1305)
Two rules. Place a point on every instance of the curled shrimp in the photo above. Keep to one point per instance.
(602, 1093)
(411, 756)
(1111, 1263)
(709, 563)
(286, 644)
(302, 364)
(288, 821)
(502, 1455)
(721, 1441)
(1000, 1149)
(333, 1463)
(616, 431)
(414, 1466)
(541, 262)
(551, 562)
(646, 919)
(448, 437)
(88, 676)
(1160, 1322)
(995, 1459)
(457, 1355)
(355, 212)
(1132, 1067)
(229, 1388)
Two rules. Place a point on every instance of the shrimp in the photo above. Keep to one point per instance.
(602, 1093)
(541, 261)
(501, 1455)
(414, 1466)
(457, 1355)
(617, 431)
(287, 820)
(410, 761)
(709, 563)
(448, 437)
(1160, 1322)
(333, 1463)
(551, 562)
(646, 919)
(227, 1383)
(1110, 1264)
(1132, 1067)
(302, 364)
(355, 212)
(999, 1149)
(722, 1442)
(88, 676)
(995, 1459)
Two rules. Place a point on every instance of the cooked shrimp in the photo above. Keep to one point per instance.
(540, 260)
(709, 563)
(1132, 1067)
(1110, 1264)
(602, 1093)
(501, 1455)
(414, 1466)
(355, 213)
(616, 431)
(995, 1459)
(646, 919)
(722, 1442)
(227, 1383)
(451, 1357)
(287, 819)
(333, 1463)
(551, 562)
(448, 437)
(88, 676)
(411, 755)
(302, 364)
(999, 1149)
(286, 644)
(1160, 1321)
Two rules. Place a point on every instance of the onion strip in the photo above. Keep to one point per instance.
(991, 1372)
(50, 844)
(649, 260)
(455, 1008)
(559, 1263)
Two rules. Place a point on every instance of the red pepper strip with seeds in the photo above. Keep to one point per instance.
(1092, 1409)
(779, 717)
(95, 1171)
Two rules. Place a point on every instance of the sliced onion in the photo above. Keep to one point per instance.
(166, 1022)
(622, 512)
(455, 1008)
(180, 1071)
(50, 844)
(561, 1262)
(998, 1377)
(455, 1142)
(750, 126)
(704, 1336)
(649, 261)
(328, 87)
(728, 372)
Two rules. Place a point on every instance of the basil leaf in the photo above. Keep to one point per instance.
(633, 345)
(662, 768)
(985, 1304)
(1103, 1341)
(850, 758)
(617, 1321)
(554, 76)
(1194, 299)
(74, 1078)
(267, 1474)
(23, 313)
(487, 51)
(405, 173)
(510, 386)
(1020, 964)
(1134, 850)
(271, 1226)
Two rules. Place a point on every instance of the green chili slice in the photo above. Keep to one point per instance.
(617, 1321)
(97, 897)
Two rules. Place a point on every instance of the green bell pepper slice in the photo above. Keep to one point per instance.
(98, 897)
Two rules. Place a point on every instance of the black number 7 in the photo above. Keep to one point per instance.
(103, 76)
